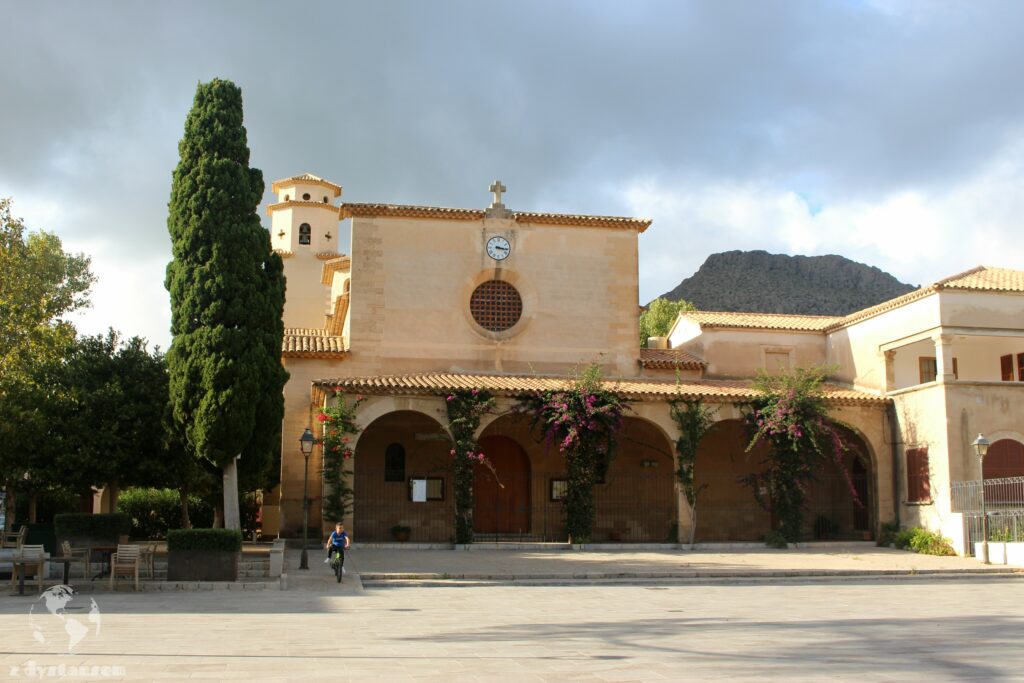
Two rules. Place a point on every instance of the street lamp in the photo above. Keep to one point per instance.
(306, 444)
(981, 445)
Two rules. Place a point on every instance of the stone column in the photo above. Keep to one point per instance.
(943, 357)
(890, 370)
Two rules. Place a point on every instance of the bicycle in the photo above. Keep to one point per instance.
(338, 564)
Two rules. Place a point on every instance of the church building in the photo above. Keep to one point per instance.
(427, 300)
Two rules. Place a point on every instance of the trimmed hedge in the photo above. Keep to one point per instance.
(204, 539)
(107, 525)
(154, 511)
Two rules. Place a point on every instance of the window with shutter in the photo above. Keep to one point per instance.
(927, 369)
(919, 489)
(1020, 367)
(1006, 368)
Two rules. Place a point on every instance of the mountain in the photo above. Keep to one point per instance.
(757, 281)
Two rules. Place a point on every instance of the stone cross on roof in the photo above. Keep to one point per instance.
(497, 209)
(497, 188)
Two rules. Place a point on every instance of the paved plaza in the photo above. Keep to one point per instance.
(911, 627)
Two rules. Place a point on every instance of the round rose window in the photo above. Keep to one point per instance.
(496, 305)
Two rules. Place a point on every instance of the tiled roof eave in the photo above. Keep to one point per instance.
(314, 354)
(438, 384)
(359, 210)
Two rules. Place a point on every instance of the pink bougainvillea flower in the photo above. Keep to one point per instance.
(322, 417)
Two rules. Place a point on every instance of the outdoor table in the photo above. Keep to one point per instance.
(24, 563)
(66, 561)
(105, 550)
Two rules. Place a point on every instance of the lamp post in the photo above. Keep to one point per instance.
(981, 448)
(306, 444)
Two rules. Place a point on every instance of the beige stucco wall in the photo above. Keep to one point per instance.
(737, 353)
(946, 418)
(856, 350)
(412, 280)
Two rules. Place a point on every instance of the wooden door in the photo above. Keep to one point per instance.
(502, 505)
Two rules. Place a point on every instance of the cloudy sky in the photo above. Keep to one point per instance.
(889, 132)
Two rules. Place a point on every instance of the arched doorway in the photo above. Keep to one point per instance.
(728, 511)
(1005, 458)
(392, 451)
(501, 498)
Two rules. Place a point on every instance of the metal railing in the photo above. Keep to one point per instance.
(1003, 502)
(1000, 494)
(628, 508)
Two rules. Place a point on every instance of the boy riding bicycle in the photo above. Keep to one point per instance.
(337, 543)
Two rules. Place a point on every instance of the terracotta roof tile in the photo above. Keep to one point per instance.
(981, 278)
(769, 321)
(669, 359)
(332, 266)
(307, 179)
(717, 391)
(987, 279)
(300, 342)
(349, 210)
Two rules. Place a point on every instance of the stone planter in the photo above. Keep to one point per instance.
(202, 565)
(1000, 552)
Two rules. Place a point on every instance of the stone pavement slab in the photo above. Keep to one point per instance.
(393, 564)
(858, 630)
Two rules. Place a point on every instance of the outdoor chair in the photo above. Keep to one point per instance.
(14, 539)
(34, 555)
(81, 555)
(147, 557)
(125, 562)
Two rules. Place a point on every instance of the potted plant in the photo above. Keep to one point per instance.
(400, 533)
(203, 554)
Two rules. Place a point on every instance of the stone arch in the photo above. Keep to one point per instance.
(1005, 459)
(728, 511)
(380, 502)
(832, 510)
(726, 507)
(377, 406)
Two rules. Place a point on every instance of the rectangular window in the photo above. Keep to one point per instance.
(1006, 368)
(919, 487)
(559, 487)
(394, 463)
(927, 369)
(1020, 367)
(776, 362)
(435, 488)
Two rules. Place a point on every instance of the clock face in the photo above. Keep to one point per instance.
(498, 248)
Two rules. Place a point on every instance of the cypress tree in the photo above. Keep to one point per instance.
(227, 299)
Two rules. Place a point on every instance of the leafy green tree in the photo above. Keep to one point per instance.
(39, 285)
(113, 396)
(227, 298)
(657, 318)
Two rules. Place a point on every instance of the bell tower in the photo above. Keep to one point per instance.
(304, 231)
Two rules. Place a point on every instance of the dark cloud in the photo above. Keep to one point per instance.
(568, 102)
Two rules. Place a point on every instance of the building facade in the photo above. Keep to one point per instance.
(428, 300)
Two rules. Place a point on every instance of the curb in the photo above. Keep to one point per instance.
(595, 578)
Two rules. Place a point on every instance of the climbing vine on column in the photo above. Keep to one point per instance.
(791, 417)
(693, 419)
(582, 421)
(465, 408)
(340, 430)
